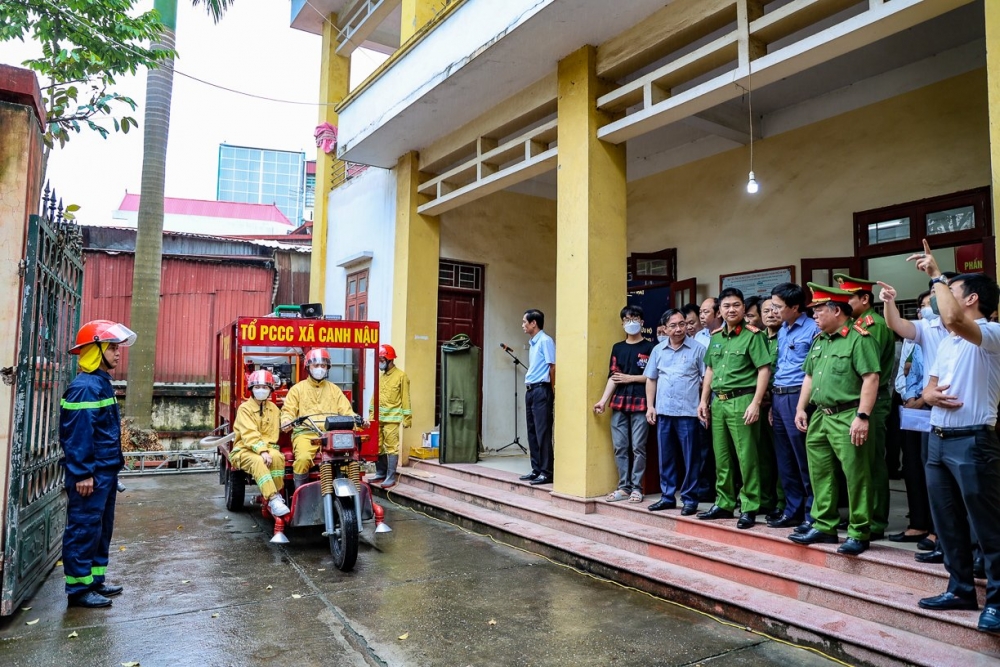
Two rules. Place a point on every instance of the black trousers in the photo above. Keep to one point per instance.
(916, 481)
(538, 406)
(963, 482)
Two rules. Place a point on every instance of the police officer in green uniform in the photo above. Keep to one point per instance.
(738, 368)
(842, 377)
(867, 317)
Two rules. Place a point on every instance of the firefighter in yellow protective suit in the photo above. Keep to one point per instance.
(255, 448)
(314, 396)
(394, 414)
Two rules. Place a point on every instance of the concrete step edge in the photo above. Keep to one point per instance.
(858, 634)
(895, 596)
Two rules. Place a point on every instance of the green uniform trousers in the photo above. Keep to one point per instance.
(735, 445)
(879, 469)
(828, 441)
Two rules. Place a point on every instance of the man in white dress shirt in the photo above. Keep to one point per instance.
(963, 457)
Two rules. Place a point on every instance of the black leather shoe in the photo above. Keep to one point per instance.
(843, 524)
(875, 537)
(903, 537)
(948, 601)
(926, 544)
(541, 479)
(929, 557)
(107, 591)
(88, 599)
(529, 476)
(853, 547)
(784, 521)
(662, 504)
(979, 568)
(804, 527)
(813, 537)
(715, 512)
(989, 620)
(747, 520)
(689, 510)
(773, 515)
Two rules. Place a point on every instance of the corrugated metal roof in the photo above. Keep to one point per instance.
(122, 239)
(212, 209)
(197, 299)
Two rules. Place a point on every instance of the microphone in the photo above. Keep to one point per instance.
(505, 347)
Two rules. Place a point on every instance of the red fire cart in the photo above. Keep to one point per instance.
(336, 497)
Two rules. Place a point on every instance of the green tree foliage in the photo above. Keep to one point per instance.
(84, 45)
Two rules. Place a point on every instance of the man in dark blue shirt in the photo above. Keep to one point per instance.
(90, 435)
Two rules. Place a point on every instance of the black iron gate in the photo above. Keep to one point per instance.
(50, 312)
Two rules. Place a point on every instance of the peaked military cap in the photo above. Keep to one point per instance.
(822, 294)
(849, 284)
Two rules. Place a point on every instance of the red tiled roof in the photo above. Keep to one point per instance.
(212, 209)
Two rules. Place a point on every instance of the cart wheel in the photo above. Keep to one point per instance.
(223, 468)
(236, 490)
(344, 540)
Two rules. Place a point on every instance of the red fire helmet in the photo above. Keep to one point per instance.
(102, 331)
(387, 351)
(261, 379)
(317, 356)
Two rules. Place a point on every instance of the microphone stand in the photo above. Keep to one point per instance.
(517, 440)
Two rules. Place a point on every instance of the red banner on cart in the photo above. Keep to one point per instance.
(286, 332)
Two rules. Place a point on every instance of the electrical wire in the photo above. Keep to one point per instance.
(612, 582)
(95, 33)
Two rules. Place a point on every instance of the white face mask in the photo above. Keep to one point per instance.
(318, 372)
(260, 393)
(927, 313)
(632, 328)
(382, 365)
(660, 339)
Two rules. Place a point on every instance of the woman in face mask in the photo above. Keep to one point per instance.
(255, 448)
(312, 396)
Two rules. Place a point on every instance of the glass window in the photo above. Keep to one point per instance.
(651, 267)
(362, 284)
(952, 220)
(888, 230)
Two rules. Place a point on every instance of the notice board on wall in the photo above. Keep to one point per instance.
(759, 282)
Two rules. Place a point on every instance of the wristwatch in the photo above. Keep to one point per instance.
(939, 279)
(863, 416)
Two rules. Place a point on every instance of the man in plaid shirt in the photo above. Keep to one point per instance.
(626, 393)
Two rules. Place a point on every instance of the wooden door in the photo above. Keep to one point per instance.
(459, 312)
(820, 270)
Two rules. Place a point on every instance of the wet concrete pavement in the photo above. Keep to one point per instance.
(196, 580)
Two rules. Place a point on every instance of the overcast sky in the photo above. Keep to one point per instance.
(252, 50)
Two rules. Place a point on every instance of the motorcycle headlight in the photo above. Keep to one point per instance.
(343, 441)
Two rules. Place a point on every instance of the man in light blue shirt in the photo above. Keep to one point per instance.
(538, 399)
(673, 390)
(794, 339)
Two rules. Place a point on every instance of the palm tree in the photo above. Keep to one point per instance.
(149, 236)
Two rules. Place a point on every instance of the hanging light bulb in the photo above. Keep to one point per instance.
(752, 186)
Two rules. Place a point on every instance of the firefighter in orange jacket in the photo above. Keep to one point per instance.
(255, 448)
(314, 397)
(394, 413)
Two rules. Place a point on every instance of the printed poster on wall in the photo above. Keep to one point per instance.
(758, 283)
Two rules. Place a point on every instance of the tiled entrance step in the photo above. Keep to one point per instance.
(861, 609)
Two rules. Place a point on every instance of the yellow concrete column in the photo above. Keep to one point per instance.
(414, 297)
(415, 14)
(993, 86)
(590, 278)
(334, 84)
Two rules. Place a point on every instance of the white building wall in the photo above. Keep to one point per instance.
(361, 216)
